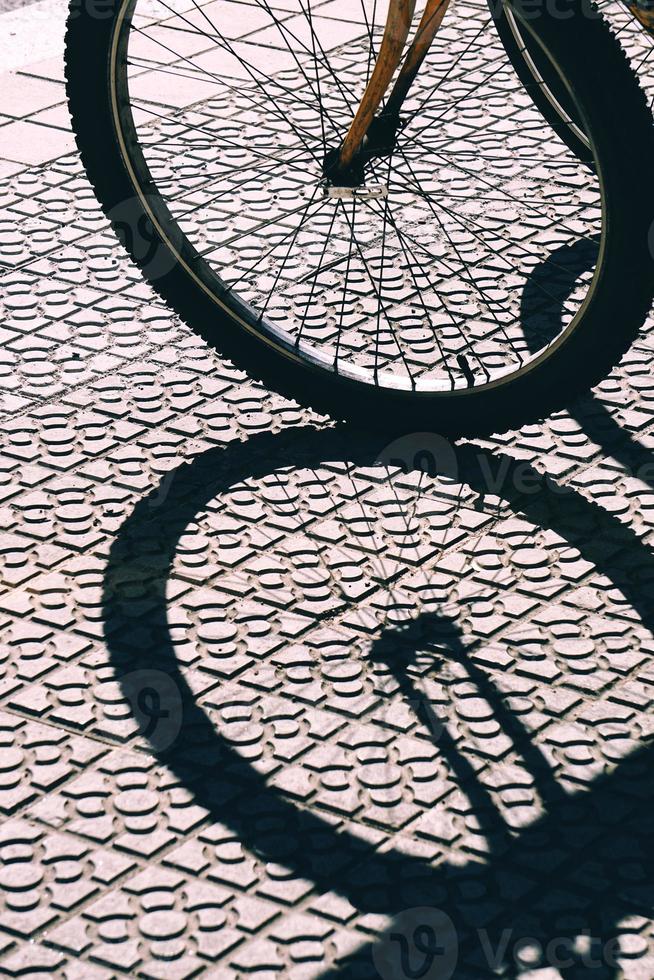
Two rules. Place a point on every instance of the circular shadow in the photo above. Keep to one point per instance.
(220, 780)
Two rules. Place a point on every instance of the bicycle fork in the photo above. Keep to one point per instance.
(373, 135)
(643, 11)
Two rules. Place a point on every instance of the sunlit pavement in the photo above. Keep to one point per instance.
(268, 703)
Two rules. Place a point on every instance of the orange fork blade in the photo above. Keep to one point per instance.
(645, 16)
(431, 20)
(398, 22)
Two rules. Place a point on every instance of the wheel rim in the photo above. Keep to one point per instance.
(529, 53)
(404, 310)
(637, 43)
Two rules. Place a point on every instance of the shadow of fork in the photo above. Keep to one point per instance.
(433, 633)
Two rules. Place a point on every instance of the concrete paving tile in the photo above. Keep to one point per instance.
(34, 34)
(24, 95)
(57, 116)
(7, 168)
(28, 143)
(50, 69)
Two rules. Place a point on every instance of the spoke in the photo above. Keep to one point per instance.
(278, 219)
(330, 265)
(290, 248)
(279, 24)
(440, 81)
(176, 72)
(223, 174)
(466, 224)
(225, 44)
(497, 157)
(217, 137)
(640, 64)
(281, 27)
(497, 253)
(410, 258)
(228, 191)
(505, 133)
(630, 22)
(210, 37)
(238, 91)
(260, 258)
(371, 29)
(372, 283)
(320, 98)
(381, 268)
(315, 276)
(453, 103)
(347, 279)
(511, 197)
(325, 61)
(472, 197)
(480, 289)
(414, 137)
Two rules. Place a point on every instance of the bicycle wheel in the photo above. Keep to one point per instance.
(549, 94)
(204, 128)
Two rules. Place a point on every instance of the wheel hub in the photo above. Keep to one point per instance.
(379, 141)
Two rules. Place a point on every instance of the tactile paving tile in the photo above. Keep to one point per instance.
(124, 802)
(46, 874)
(48, 314)
(23, 237)
(98, 263)
(37, 758)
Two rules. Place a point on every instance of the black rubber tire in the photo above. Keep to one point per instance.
(615, 112)
(516, 48)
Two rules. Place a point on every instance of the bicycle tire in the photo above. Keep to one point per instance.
(548, 94)
(615, 113)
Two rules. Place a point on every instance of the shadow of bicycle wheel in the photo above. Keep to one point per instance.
(519, 884)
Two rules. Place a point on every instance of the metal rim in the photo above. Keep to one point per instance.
(556, 105)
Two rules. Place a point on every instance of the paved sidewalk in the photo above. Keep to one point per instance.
(350, 699)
